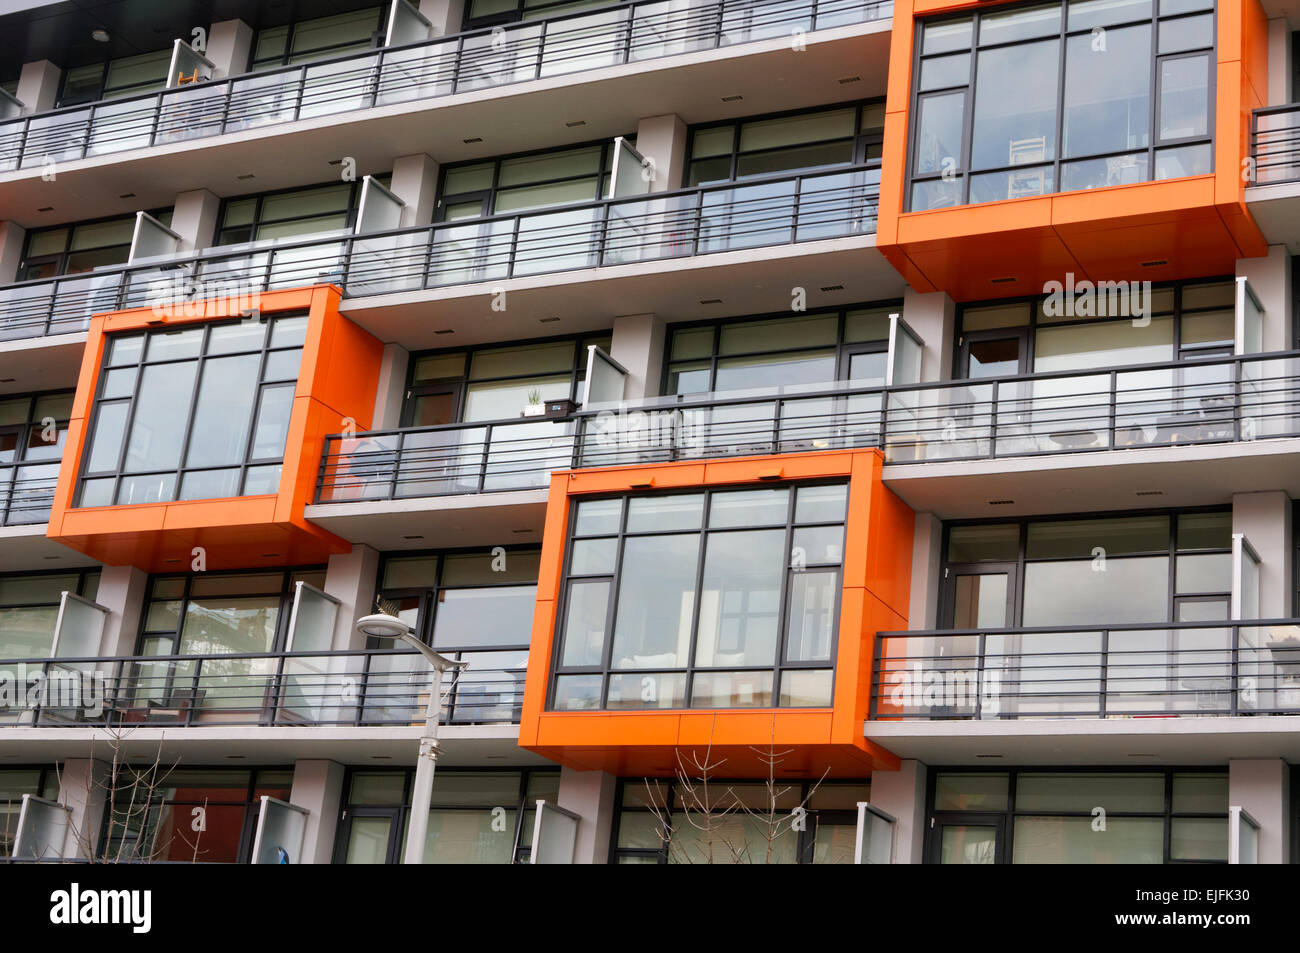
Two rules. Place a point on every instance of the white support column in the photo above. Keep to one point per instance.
(933, 317)
(663, 139)
(927, 558)
(38, 85)
(901, 794)
(12, 236)
(194, 218)
(351, 578)
(1265, 520)
(444, 15)
(83, 788)
(1279, 62)
(1263, 787)
(391, 392)
(121, 591)
(318, 787)
(590, 795)
(230, 47)
(415, 182)
(1270, 279)
(638, 344)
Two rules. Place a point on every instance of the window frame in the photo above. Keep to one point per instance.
(60, 259)
(469, 23)
(46, 775)
(690, 668)
(350, 211)
(101, 92)
(22, 443)
(1057, 164)
(315, 53)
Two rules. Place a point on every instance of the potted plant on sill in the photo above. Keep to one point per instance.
(534, 407)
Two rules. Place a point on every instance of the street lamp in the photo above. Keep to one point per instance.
(384, 626)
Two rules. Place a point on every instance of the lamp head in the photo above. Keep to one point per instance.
(383, 626)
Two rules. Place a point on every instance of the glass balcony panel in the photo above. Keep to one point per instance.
(650, 229)
(486, 61)
(387, 263)
(11, 145)
(1270, 398)
(116, 127)
(939, 423)
(25, 308)
(338, 87)
(420, 73)
(763, 21)
(435, 462)
(558, 241)
(671, 28)
(31, 493)
(192, 112)
(746, 217)
(58, 137)
(463, 254)
(80, 297)
(1044, 674)
(836, 206)
(585, 43)
(263, 100)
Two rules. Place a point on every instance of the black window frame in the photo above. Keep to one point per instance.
(469, 23)
(1016, 567)
(964, 173)
(285, 58)
(1008, 817)
(350, 211)
(200, 360)
(60, 259)
(102, 91)
(22, 434)
(862, 142)
(780, 664)
(82, 573)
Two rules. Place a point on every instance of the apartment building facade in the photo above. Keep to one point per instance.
(824, 430)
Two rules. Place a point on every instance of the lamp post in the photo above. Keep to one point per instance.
(383, 626)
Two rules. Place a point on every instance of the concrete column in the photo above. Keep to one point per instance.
(122, 591)
(318, 787)
(415, 182)
(38, 85)
(901, 793)
(83, 787)
(1270, 279)
(230, 47)
(1265, 520)
(927, 558)
(445, 15)
(1279, 62)
(638, 344)
(933, 317)
(194, 218)
(12, 236)
(391, 393)
(590, 795)
(1263, 787)
(351, 578)
(663, 139)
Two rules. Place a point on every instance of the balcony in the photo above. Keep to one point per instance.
(27, 492)
(1241, 399)
(1160, 670)
(1274, 191)
(275, 689)
(664, 226)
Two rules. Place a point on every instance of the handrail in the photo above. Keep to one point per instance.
(1275, 144)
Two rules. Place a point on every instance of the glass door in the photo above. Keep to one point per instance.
(1000, 353)
(979, 596)
(369, 835)
(967, 839)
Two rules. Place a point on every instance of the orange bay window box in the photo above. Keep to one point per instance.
(202, 425)
(716, 609)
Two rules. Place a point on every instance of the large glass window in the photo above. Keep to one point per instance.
(32, 431)
(29, 608)
(14, 783)
(114, 78)
(495, 382)
(313, 210)
(521, 183)
(711, 599)
(1110, 570)
(306, 41)
(485, 13)
(161, 813)
(80, 247)
(662, 821)
(784, 351)
(795, 142)
(1122, 84)
(477, 817)
(191, 414)
(1066, 816)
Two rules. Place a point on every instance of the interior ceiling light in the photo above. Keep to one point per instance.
(99, 36)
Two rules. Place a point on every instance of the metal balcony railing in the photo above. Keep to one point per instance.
(271, 688)
(1275, 144)
(26, 492)
(482, 59)
(665, 225)
(1116, 671)
(1153, 405)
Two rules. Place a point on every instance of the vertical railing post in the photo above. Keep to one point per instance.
(1112, 437)
(514, 245)
(979, 677)
(1102, 683)
(541, 50)
(1238, 400)
(483, 461)
(84, 149)
(993, 420)
(1235, 650)
(398, 450)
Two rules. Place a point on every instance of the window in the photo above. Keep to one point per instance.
(192, 414)
(188, 815)
(476, 817)
(657, 822)
(32, 431)
(520, 183)
(313, 210)
(1109, 570)
(780, 351)
(711, 599)
(472, 606)
(306, 41)
(1048, 816)
(114, 78)
(81, 247)
(14, 783)
(29, 609)
(494, 383)
(485, 13)
(796, 142)
(1095, 112)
